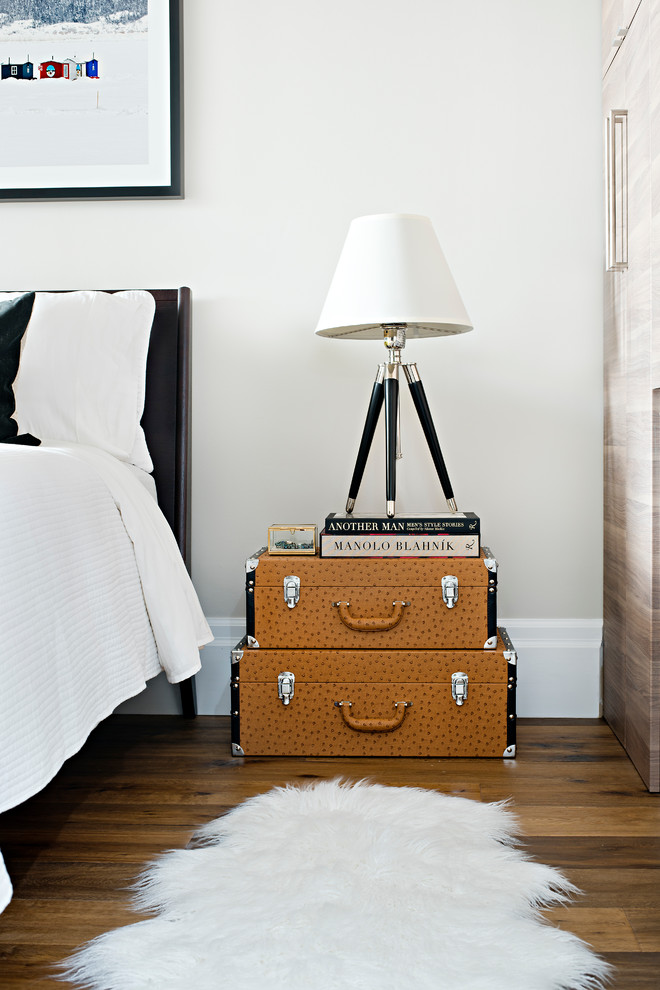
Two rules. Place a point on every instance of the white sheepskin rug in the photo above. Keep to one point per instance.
(341, 885)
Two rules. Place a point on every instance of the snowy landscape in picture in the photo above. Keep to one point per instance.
(80, 125)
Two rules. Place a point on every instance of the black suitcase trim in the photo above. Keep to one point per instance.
(491, 600)
(236, 657)
(512, 671)
(250, 580)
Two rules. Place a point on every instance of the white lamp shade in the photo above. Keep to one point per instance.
(392, 270)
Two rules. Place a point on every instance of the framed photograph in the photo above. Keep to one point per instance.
(90, 99)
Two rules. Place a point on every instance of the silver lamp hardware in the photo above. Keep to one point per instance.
(285, 686)
(450, 590)
(459, 687)
(291, 590)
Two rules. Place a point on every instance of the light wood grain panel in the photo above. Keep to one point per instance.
(637, 739)
(617, 16)
(638, 403)
(612, 18)
(631, 687)
(654, 653)
(655, 197)
(615, 436)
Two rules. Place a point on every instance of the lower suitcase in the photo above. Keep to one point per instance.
(442, 703)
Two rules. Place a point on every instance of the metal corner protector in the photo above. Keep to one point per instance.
(237, 652)
(252, 562)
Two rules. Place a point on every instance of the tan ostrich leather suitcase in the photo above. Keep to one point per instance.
(375, 702)
(348, 603)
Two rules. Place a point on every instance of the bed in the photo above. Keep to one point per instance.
(94, 519)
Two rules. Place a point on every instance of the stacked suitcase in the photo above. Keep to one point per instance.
(373, 657)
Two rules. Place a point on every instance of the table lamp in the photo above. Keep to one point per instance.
(392, 282)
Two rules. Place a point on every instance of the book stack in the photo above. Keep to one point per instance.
(451, 534)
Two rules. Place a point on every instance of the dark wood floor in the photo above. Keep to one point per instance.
(142, 784)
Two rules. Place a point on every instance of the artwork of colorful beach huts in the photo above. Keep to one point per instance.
(70, 68)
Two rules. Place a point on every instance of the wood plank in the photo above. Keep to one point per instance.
(120, 844)
(606, 852)
(599, 792)
(604, 929)
(593, 821)
(646, 926)
(634, 970)
(143, 809)
(628, 888)
(36, 879)
(31, 921)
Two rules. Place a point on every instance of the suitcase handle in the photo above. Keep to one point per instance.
(370, 624)
(373, 724)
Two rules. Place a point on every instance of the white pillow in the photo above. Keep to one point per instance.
(82, 372)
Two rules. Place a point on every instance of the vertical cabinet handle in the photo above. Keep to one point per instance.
(617, 190)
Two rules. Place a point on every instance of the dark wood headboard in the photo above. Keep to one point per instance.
(166, 424)
(166, 418)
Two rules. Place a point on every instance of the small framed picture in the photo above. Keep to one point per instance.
(292, 538)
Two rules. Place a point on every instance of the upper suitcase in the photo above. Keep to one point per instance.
(308, 602)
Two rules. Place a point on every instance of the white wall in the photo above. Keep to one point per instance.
(300, 115)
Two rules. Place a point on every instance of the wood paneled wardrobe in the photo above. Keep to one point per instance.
(631, 643)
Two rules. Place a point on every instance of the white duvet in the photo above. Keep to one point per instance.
(95, 600)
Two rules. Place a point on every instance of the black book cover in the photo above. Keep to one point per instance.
(430, 522)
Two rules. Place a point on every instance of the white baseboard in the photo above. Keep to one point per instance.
(559, 667)
(559, 670)
(213, 680)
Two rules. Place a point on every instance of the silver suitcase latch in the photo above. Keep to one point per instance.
(450, 590)
(291, 590)
(285, 686)
(459, 687)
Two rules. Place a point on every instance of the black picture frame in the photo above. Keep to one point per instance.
(171, 98)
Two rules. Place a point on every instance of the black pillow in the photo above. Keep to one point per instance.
(14, 318)
(23, 440)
